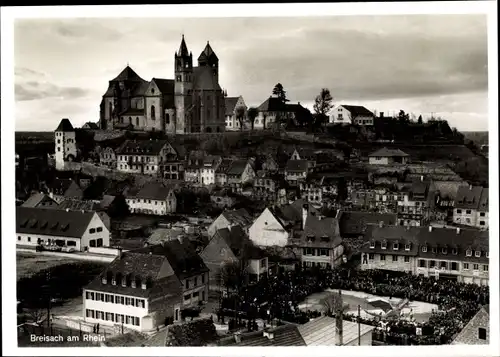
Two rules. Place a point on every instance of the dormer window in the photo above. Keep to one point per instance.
(478, 254)
(384, 245)
(444, 250)
(407, 246)
(434, 249)
(372, 244)
(133, 284)
(395, 246)
(124, 283)
(454, 251)
(468, 253)
(487, 254)
(143, 286)
(113, 281)
(424, 249)
(103, 280)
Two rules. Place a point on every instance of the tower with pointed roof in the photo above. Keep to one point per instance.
(65, 143)
(208, 58)
(183, 87)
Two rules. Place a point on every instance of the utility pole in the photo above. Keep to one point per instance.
(359, 325)
(47, 277)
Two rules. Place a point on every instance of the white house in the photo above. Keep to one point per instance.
(207, 171)
(471, 206)
(153, 198)
(387, 156)
(351, 114)
(229, 218)
(147, 288)
(78, 229)
(268, 230)
(65, 141)
(232, 103)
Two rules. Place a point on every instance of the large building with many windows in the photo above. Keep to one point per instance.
(147, 288)
(443, 253)
(471, 206)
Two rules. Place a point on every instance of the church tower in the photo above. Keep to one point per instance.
(65, 140)
(183, 88)
(208, 58)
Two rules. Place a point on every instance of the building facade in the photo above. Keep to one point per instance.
(232, 122)
(472, 207)
(192, 102)
(154, 199)
(65, 140)
(351, 114)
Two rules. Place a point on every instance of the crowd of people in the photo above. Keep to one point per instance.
(279, 296)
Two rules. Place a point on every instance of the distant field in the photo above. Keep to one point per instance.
(478, 137)
(35, 135)
(29, 264)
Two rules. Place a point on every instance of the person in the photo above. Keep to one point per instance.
(97, 330)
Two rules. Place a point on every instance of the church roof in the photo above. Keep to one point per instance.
(65, 125)
(204, 79)
(166, 86)
(128, 74)
(208, 54)
(183, 50)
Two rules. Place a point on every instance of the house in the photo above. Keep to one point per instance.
(146, 288)
(231, 245)
(273, 110)
(276, 225)
(240, 172)
(194, 165)
(297, 170)
(40, 200)
(228, 218)
(153, 198)
(65, 144)
(471, 206)
(78, 229)
(351, 114)
(477, 330)
(207, 171)
(323, 331)
(221, 171)
(387, 156)
(232, 122)
(443, 253)
(301, 153)
(150, 157)
(320, 241)
(90, 126)
(223, 199)
(415, 203)
(107, 157)
(354, 224)
(266, 185)
(318, 188)
(61, 189)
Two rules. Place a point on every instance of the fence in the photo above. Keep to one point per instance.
(104, 250)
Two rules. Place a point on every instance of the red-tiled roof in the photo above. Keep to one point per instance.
(323, 231)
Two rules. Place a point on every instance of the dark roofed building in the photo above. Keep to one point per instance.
(385, 156)
(472, 206)
(356, 223)
(281, 336)
(477, 330)
(142, 147)
(148, 287)
(65, 126)
(153, 198)
(351, 114)
(40, 200)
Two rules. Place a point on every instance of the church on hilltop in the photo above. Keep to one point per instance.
(193, 102)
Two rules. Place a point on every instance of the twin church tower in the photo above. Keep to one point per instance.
(193, 102)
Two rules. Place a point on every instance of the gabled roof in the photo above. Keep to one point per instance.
(283, 336)
(182, 257)
(230, 104)
(128, 75)
(237, 167)
(272, 104)
(239, 243)
(91, 125)
(356, 222)
(469, 334)
(224, 166)
(240, 217)
(297, 165)
(208, 54)
(65, 126)
(324, 230)
(166, 86)
(470, 197)
(142, 147)
(293, 211)
(357, 110)
(385, 152)
(66, 187)
(39, 221)
(37, 199)
(154, 191)
(78, 205)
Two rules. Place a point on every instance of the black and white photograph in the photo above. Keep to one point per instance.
(223, 176)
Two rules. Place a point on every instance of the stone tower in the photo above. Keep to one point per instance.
(208, 58)
(183, 87)
(65, 143)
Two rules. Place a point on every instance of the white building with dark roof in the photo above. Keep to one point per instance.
(148, 287)
(471, 206)
(387, 156)
(65, 140)
(351, 114)
(80, 230)
(232, 122)
(191, 102)
(154, 198)
(229, 218)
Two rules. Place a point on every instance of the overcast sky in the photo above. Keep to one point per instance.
(423, 64)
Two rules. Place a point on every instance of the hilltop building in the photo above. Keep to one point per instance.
(65, 140)
(193, 102)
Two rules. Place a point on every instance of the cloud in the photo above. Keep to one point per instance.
(39, 90)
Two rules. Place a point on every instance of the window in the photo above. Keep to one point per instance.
(468, 211)
(476, 266)
(424, 249)
(153, 114)
(459, 211)
(407, 246)
(454, 251)
(195, 283)
(99, 229)
(394, 258)
(432, 263)
(482, 214)
(478, 254)
(482, 223)
(187, 283)
(454, 266)
(443, 265)
(203, 279)
(384, 245)
(187, 297)
(99, 242)
(92, 243)
(444, 250)
(196, 294)
(382, 257)
(407, 259)
(371, 256)
(92, 230)
(481, 333)
(395, 246)
(137, 121)
(468, 253)
(485, 267)
(18, 237)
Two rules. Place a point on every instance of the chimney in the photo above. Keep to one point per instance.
(381, 114)
(458, 230)
(430, 228)
(305, 211)
(339, 321)
(237, 338)
(268, 334)
(381, 224)
(470, 187)
(422, 178)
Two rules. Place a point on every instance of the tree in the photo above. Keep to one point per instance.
(280, 93)
(419, 120)
(252, 113)
(239, 112)
(403, 117)
(323, 103)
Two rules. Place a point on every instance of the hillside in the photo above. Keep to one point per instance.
(478, 137)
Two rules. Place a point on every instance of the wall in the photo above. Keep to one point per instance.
(200, 288)
(484, 219)
(463, 216)
(219, 223)
(104, 250)
(269, 234)
(389, 264)
(378, 160)
(34, 239)
(87, 236)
